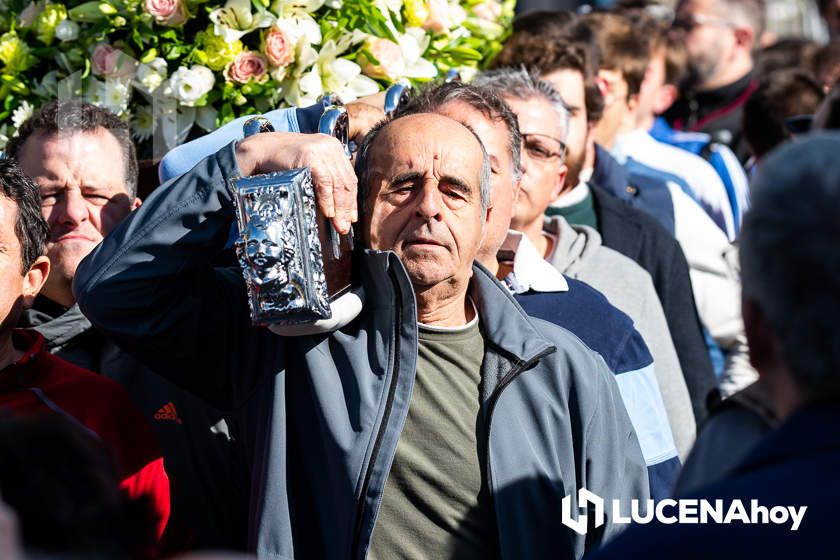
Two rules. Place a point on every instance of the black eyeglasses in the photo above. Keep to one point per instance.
(543, 147)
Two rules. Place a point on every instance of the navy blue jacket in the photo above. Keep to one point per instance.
(795, 465)
(586, 312)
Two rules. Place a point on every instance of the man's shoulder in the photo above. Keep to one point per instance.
(613, 213)
(79, 383)
(572, 357)
(588, 314)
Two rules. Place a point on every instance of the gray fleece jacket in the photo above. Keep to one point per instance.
(579, 253)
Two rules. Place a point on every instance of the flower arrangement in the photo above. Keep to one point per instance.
(174, 67)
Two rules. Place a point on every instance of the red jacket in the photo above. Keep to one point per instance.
(40, 382)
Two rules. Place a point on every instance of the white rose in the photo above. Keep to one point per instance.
(67, 30)
(114, 96)
(151, 75)
(188, 85)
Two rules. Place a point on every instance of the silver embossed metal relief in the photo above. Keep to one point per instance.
(279, 249)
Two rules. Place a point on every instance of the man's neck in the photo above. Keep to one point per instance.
(729, 76)
(444, 305)
(534, 233)
(8, 353)
(645, 121)
(60, 292)
(491, 263)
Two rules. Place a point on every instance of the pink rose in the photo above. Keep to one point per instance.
(388, 54)
(439, 19)
(167, 12)
(278, 48)
(247, 66)
(491, 10)
(112, 63)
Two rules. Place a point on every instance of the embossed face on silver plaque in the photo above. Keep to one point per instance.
(279, 248)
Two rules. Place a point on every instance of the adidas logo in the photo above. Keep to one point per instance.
(168, 412)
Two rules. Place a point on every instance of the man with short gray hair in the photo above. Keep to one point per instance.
(439, 422)
(577, 251)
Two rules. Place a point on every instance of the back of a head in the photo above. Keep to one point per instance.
(30, 226)
(827, 116)
(535, 31)
(826, 64)
(748, 13)
(780, 97)
(789, 258)
(786, 54)
(485, 100)
(520, 84)
(623, 48)
(549, 41)
(61, 484)
(70, 117)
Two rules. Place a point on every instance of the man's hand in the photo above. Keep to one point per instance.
(364, 114)
(332, 175)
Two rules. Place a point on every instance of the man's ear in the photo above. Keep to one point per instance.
(603, 85)
(745, 37)
(34, 280)
(764, 344)
(517, 187)
(664, 98)
(561, 182)
(136, 204)
(632, 102)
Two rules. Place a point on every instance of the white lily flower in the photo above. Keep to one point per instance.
(22, 113)
(67, 30)
(331, 73)
(403, 59)
(413, 44)
(305, 57)
(235, 19)
(295, 17)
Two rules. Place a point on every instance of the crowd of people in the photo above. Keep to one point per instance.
(608, 262)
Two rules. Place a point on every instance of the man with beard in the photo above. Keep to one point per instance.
(720, 37)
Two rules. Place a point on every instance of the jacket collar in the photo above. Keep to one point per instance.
(503, 322)
(58, 327)
(575, 245)
(530, 270)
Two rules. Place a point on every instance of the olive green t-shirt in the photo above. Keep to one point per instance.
(435, 503)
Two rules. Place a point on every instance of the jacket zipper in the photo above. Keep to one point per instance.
(383, 424)
(491, 405)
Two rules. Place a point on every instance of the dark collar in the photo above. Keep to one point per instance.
(724, 95)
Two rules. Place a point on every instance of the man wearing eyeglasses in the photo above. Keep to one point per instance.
(576, 250)
(719, 36)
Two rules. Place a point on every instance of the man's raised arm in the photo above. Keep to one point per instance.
(151, 286)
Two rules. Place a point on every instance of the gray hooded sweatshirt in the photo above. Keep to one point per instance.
(579, 253)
